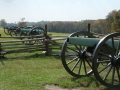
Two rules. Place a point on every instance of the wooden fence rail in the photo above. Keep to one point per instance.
(29, 44)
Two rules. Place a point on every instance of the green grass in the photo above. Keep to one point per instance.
(2, 31)
(34, 72)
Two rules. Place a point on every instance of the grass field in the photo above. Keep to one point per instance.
(34, 72)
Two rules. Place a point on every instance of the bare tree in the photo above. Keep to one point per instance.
(22, 23)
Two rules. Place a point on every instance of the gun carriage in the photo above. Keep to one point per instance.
(9, 30)
(84, 53)
(25, 31)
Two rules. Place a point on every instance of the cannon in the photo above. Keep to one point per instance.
(37, 31)
(15, 31)
(30, 31)
(10, 30)
(25, 31)
(84, 53)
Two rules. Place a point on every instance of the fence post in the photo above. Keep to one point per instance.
(88, 27)
(46, 29)
(1, 56)
(0, 47)
(48, 50)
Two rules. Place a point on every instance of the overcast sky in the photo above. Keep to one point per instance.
(56, 10)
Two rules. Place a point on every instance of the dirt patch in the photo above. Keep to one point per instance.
(55, 87)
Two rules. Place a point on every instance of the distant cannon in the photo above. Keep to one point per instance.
(9, 30)
(37, 31)
(25, 31)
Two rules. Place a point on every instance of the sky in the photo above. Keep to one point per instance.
(56, 10)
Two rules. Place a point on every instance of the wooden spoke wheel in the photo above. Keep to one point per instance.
(106, 62)
(7, 30)
(74, 57)
(13, 32)
(36, 31)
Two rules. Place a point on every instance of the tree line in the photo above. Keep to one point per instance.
(103, 26)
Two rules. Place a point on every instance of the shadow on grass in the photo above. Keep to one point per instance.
(21, 57)
(28, 56)
(25, 57)
(91, 81)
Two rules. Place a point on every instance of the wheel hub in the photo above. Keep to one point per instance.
(116, 61)
(81, 54)
(84, 54)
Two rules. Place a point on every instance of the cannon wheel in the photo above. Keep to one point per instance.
(73, 57)
(106, 66)
(10, 30)
(12, 33)
(17, 32)
(7, 31)
(34, 32)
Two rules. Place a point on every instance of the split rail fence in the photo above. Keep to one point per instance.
(34, 44)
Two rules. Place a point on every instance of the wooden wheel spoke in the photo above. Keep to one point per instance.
(81, 48)
(78, 47)
(84, 66)
(75, 65)
(89, 63)
(72, 49)
(72, 60)
(80, 67)
(104, 68)
(113, 74)
(118, 73)
(107, 73)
